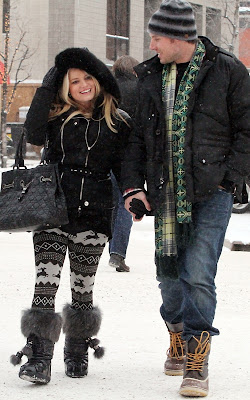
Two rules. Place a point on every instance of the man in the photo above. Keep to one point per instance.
(192, 148)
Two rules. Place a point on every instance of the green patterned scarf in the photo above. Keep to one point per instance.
(177, 210)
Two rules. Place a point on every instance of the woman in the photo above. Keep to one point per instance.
(76, 112)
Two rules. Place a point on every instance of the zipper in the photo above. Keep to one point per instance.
(80, 198)
(87, 159)
(62, 132)
(161, 177)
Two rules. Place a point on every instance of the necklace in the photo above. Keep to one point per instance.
(86, 135)
(86, 139)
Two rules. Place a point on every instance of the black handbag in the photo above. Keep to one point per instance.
(31, 198)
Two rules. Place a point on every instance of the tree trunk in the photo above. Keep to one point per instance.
(6, 7)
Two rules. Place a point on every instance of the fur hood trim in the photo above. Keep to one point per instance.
(82, 58)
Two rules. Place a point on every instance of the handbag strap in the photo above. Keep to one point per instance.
(19, 160)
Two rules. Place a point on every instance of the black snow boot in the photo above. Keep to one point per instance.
(42, 329)
(79, 326)
(76, 357)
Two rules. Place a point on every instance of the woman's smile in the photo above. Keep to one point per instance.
(81, 86)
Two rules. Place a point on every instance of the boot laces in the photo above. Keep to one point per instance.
(195, 361)
(176, 349)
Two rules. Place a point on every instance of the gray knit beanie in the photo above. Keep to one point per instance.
(174, 19)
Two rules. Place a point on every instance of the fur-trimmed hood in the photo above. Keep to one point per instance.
(82, 58)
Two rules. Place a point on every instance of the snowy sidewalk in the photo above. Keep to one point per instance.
(238, 232)
(132, 331)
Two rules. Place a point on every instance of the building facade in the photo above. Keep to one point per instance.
(109, 28)
(244, 42)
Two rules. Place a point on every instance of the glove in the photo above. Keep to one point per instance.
(50, 80)
(138, 208)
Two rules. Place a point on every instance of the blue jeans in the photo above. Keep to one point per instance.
(121, 223)
(191, 298)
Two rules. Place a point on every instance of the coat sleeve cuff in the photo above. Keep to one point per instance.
(130, 192)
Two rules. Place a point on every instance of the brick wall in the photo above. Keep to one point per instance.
(244, 47)
(23, 97)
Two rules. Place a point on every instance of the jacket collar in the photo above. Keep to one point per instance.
(148, 67)
(152, 67)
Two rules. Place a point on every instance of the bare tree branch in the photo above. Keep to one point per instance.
(17, 81)
(15, 51)
(15, 65)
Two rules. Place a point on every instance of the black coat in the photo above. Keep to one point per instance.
(127, 85)
(88, 190)
(217, 143)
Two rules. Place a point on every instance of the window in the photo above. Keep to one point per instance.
(244, 13)
(117, 37)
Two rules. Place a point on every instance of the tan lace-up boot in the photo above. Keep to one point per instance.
(176, 353)
(195, 379)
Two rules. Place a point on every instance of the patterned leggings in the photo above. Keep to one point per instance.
(84, 249)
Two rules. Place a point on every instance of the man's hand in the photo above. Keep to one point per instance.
(139, 196)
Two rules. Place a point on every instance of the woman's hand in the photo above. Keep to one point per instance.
(50, 80)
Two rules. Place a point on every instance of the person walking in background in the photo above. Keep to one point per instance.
(121, 227)
(123, 69)
(191, 144)
(126, 78)
(76, 109)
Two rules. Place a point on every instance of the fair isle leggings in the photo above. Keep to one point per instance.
(84, 250)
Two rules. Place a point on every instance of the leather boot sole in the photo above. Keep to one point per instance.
(34, 379)
(171, 372)
(193, 388)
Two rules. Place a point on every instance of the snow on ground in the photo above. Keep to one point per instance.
(132, 331)
(239, 229)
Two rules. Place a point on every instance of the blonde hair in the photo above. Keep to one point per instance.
(64, 102)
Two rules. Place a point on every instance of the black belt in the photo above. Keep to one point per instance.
(84, 172)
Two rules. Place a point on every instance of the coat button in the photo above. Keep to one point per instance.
(157, 132)
(75, 123)
(86, 203)
(204, 161)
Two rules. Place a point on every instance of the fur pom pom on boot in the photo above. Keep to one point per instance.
(42, 329)
(79, 326)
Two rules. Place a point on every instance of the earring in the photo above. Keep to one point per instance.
(69, 94)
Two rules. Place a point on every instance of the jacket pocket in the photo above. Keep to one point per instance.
(208, 170)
